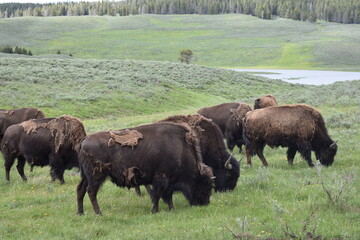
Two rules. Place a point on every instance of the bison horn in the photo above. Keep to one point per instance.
(228, 164)
(334, 145)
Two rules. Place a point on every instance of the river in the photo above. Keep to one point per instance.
(310, 77)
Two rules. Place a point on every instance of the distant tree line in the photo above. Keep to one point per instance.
(16, 50)
(340, 11)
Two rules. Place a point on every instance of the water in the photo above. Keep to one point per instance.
(310, 77)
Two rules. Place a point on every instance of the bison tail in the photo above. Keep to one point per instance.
(5, 150)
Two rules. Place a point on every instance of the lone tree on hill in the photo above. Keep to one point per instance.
(186, 55)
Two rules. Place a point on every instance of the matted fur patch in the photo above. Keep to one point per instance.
(125, 137)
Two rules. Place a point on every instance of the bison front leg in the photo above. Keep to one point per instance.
(81, 190)
(305, 151)
(20, 167)
(290, 155)
(167, 197)
(137, 190)
(160, 183)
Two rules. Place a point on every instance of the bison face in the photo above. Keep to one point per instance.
(326, 156)
(226, 178)
(257, 103)
(201, 190)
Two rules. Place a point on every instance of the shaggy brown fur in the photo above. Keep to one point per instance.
(124, 137)
(299, 127)
(265, 101)
(289, 120)
(239, 113)
(62, 128)
(193, 121)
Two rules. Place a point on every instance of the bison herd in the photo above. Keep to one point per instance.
(179, 153)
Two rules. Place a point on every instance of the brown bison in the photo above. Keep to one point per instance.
(265, 101)
(228, 117)
(165, 155)
(225, 167)
(299, 127)
(14, 116)
(40, 142)
(233, 131)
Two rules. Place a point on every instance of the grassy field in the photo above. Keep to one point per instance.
(216, 40)
(268, 203)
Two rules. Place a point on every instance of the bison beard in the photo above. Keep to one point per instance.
(299, 127)
(163, 158)
(41, 142)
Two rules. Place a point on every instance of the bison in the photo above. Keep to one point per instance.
(165, 155)
(265, 101)
(228, 117)
(225, 167)
(14, 116)
(233, 131)
(299, 127)
(41, 142)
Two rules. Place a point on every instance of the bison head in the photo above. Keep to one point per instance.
(201, 190)
(227, 175)
(327, 154)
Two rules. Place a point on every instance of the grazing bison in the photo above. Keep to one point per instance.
(40, 142)
(233, 131)
(14, 116)
(227, 117)
(219, 113)
(165, 155)
(225, 167)
(299, 127)
(265, 101)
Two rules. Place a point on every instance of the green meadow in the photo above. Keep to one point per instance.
(125, 72)
(231, 40)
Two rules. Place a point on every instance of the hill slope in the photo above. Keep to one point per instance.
(116, 94)
(216, 40)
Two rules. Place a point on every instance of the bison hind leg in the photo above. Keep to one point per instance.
(9, 161)
(81, 190)
(260, 152)
(20, 167)
(92, 190)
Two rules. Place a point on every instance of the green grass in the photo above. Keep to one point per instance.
(114, 94)
(230, 40)
(111, 84)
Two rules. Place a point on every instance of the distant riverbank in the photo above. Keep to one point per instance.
(309, 77)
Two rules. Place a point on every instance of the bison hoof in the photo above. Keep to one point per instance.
(80, 213)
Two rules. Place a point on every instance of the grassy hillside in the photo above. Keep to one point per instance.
(268, 203)
(216, 40)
